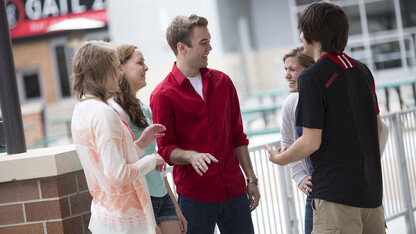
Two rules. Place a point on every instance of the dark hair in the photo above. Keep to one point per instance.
(302, 59)
(325, 23)
(180, 30)
(91, 65)
(125, 97)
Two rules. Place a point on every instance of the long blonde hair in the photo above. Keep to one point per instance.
(91, 66)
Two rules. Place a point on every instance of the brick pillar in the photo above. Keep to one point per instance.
(59, 204)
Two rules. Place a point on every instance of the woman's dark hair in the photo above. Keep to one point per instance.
(125, 97)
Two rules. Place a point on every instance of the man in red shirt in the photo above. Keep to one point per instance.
(204, 139)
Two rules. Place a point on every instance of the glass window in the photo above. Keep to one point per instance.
(63, 71)
(354, 19)
(380, 16)
(31, 85)
(386, 55)
(305, 2)
(408, 9)
(409, 46)
(358, 52)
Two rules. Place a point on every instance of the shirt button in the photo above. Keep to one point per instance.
(215, 136)
(210, 120)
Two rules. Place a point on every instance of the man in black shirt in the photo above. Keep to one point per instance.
(339, 114)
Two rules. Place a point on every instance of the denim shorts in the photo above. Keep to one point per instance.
(164, 209)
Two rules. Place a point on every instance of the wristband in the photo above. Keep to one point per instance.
(253, 180)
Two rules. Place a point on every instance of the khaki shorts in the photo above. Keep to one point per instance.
(335, 218)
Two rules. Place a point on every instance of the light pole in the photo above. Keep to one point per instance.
(12, 124)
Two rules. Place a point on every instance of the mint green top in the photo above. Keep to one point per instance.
(155, 180)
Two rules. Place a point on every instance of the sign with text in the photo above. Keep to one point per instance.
(33, 17)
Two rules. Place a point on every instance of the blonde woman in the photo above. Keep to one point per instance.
(105, 146)
(168, 215)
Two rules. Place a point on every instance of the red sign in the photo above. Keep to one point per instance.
(33, 17)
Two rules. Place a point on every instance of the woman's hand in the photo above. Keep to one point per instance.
(305, 185)
(150, 134)
(160, 163)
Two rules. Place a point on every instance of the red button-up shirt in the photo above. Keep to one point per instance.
(212, 126)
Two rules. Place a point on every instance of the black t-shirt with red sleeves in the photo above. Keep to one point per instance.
(337, 95)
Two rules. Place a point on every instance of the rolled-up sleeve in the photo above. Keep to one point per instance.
(163, 113)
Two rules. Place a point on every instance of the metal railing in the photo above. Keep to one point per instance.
(282, 205)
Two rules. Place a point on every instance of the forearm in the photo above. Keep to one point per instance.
(181, 157)
(304, 146)
(301, 149)
(245, 161)
(121, 174)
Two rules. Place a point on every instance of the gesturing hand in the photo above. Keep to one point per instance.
(150, 134)
(199, 162)
(274, 153)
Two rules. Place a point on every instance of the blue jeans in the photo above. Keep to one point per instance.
(308, 215)
(231, 216)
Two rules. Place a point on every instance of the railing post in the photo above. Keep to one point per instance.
(291, 202)
(288, 205)
(403, 174)
(285, 200)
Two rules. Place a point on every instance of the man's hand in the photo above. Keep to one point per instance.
(150, 134)
(253, 195)
(274, 154)
(305, 184)
(199, 162)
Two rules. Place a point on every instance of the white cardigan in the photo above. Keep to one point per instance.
(114, 173)
(300, 169)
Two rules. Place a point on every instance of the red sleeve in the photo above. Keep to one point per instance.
(163, 114)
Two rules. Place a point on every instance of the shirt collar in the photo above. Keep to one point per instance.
(330, 55)
(180, 78)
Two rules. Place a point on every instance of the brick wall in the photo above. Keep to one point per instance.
(59, 204)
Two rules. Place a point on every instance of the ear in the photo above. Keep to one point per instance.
(121, 69)
(181, 48)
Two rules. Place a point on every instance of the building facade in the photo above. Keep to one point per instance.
(45, 34)
(249, 39)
